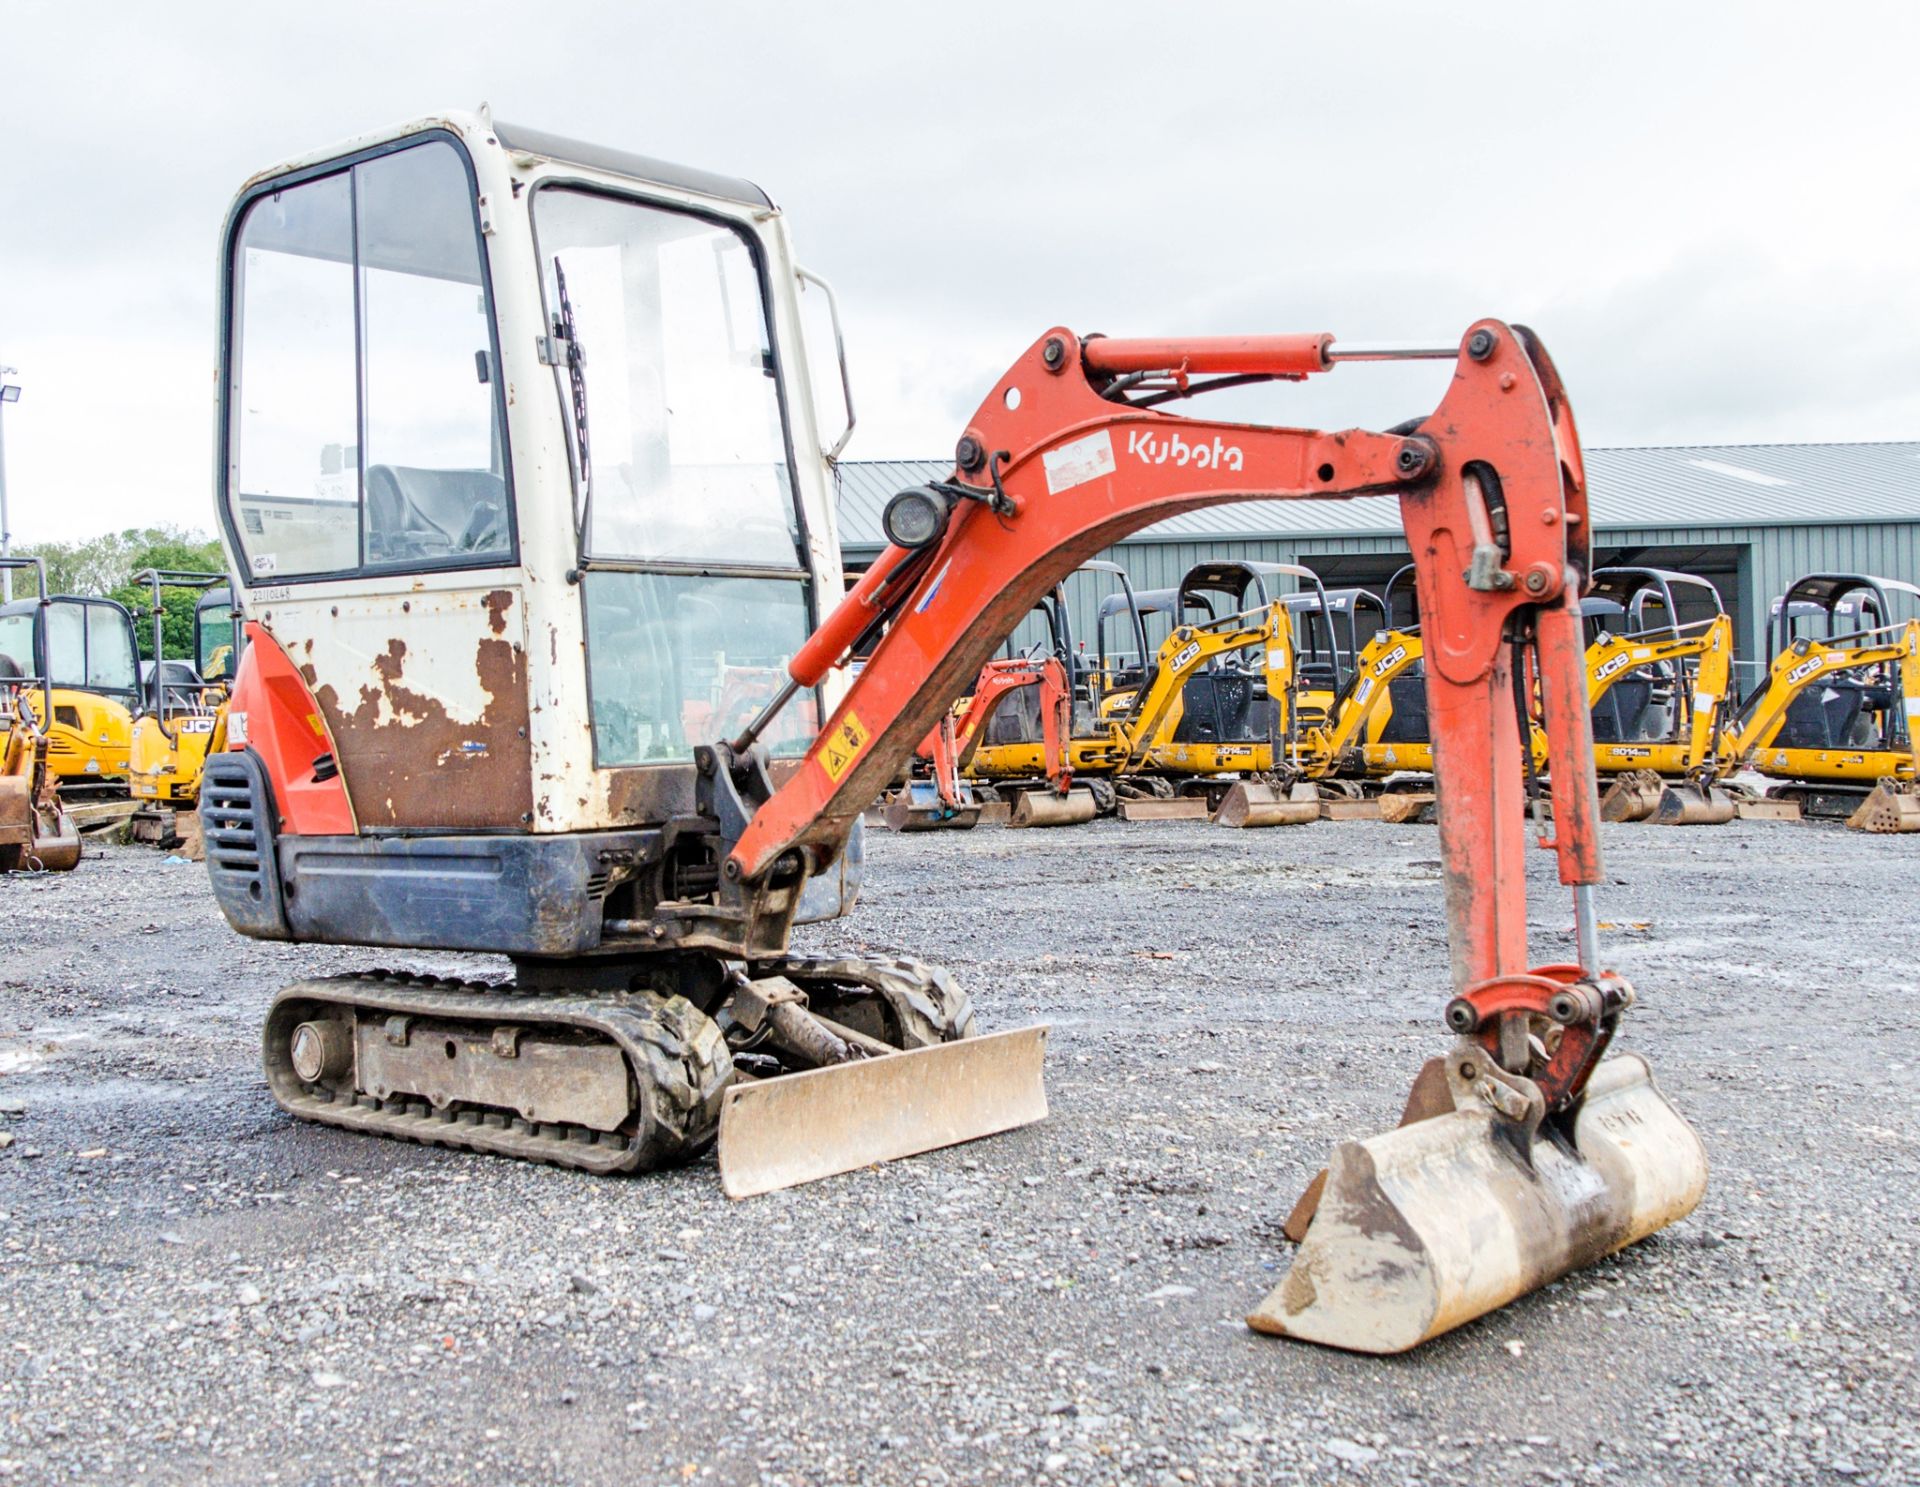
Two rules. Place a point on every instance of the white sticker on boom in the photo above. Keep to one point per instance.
(1077, 462)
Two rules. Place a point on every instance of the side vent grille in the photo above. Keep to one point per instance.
(238, 827)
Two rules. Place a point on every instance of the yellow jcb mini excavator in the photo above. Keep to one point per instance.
(84, 648)
(477, 709)
(183, 715)
(1835, 718)
(1238, 713)
(1658, 685)
(36, 834)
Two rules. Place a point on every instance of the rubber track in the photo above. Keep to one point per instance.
(675, 1053)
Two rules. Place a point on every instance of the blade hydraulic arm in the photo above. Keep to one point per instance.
(1058, 464)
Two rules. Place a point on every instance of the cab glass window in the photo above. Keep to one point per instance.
(67, 644)
(16, 645)
(686, 454)
(680, 659)
(111, 666)
(213, 640)
(364, 417)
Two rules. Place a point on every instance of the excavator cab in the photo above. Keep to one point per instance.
(85, 649)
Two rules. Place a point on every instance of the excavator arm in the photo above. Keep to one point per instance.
(1058, 464)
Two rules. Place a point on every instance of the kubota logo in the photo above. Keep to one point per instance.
(1150, 449)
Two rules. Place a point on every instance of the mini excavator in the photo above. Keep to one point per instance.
(521, 483)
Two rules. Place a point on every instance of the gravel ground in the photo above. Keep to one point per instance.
(194, 1289)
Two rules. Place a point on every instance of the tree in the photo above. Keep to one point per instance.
(105, 565)
(171, 552)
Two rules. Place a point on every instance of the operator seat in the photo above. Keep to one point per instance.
(414, 513)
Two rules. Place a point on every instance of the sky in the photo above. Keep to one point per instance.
(1710, 213)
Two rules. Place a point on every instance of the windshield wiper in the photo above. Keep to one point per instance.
(563, 330)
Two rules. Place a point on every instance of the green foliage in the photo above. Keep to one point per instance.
(105, 565)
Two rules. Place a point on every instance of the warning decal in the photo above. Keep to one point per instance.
(1078, 462)
(841, 746)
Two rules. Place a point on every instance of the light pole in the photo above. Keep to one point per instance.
(9, 393)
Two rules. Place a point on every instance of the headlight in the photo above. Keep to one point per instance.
(916, 517)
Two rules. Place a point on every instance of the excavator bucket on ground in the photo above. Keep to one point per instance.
(917, 806)
(1449, 1217)
(1045, 808)
(1687, 803)
(1633, 796)
(1891, 806)
(1255, 803)
(36, 833)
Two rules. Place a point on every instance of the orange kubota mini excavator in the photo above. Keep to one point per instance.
(478, 636)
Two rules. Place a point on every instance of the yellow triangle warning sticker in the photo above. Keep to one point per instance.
(840, 745)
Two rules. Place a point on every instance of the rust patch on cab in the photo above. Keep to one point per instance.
(407, 764)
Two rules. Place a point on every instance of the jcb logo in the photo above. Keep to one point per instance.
(1184, 656)
(1390, 660)
(1150, 449)
(1609, 668)
(1805, 669)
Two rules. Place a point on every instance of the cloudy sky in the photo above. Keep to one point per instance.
(1711, 213)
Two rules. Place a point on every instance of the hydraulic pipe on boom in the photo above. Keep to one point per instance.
(1520, 1173)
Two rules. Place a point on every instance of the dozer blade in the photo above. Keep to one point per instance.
(1633, 796)
(1044, 808)
(1251, 803)
(1891, 806)
(1443, 1220)
(919, 807)
(778, 1133)
(1688, 804)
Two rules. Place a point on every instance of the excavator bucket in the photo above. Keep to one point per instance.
(1044, 808)
(1447, 1218)
(1892, 805)
(918, 807)
(778, 1133)
(1688, 804)
(1253, 803)
(36, 833)
(1633, 796)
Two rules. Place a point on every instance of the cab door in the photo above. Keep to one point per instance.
(368, 494)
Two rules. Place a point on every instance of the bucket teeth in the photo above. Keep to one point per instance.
(1444, 1219)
